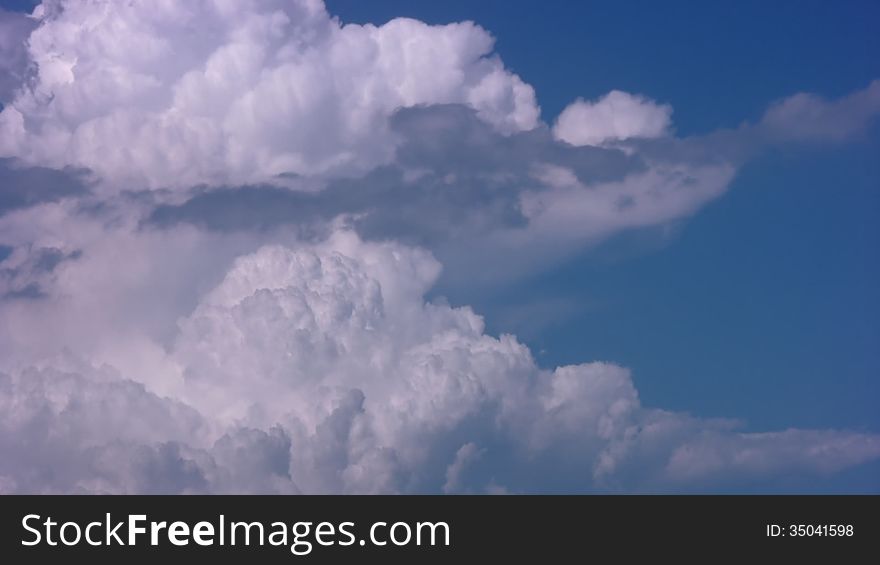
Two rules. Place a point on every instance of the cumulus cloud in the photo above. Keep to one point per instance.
(85, 430)
(219, 223)
(613, 117)
(214, 92)
(321, 368)
(440, 145)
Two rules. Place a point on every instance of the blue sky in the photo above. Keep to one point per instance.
(755, 298)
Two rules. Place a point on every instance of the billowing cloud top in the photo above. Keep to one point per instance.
(217, 92)
(220, 223)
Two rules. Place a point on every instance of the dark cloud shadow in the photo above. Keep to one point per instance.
(22, 186)
(15, 63)
(453, 175)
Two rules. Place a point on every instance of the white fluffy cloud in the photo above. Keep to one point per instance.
(321, 368)
(83, 430)
(614, 117)
(216, 92)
